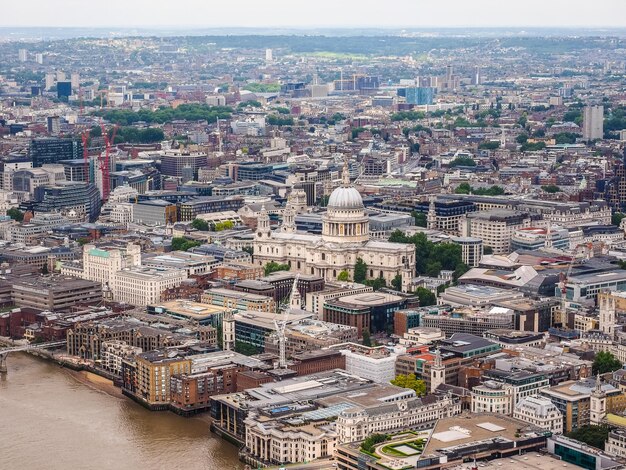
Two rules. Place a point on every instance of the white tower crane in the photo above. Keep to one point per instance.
(281, 324)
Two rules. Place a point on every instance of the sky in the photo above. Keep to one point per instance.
(313, 13)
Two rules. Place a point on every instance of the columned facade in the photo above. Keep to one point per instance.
(345, 239)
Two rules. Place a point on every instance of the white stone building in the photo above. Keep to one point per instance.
(345, 238)
(355, 424)
(540, 412)
(492, 397)
(143, 286)
(283, 443)
(377, 363)
(495, 227)
(123, 278)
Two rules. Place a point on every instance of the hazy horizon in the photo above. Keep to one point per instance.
(322, 14)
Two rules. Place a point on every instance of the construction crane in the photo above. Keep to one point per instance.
(85, 139)
(563, 278)
(105, 163)
(281, 324)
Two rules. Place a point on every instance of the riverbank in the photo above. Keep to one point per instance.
(95, 382)
(71, 423)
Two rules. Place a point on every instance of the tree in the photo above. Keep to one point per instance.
(534, 147)
(273, 266)
(487, 250)
(461, 269)
(426, 297)
(463, 188)
(367, 339)
(605, 362)
(412, 382)
(15, 214)
(462, 161)
(246, 348)
(522, 139)
(226, 225)
(420, 218)
(376, 284)
(200, 224)
(83, 241)
(551, 188)
(344, 276)
(360, 271)
(617, 217)
(396, 282)
(183, 244)
(594, 436)
(370, 442)
(433, 268)
(491, 145)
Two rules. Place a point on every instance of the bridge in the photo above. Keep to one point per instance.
(25, 347)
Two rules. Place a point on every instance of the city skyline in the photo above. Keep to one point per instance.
(481, 13)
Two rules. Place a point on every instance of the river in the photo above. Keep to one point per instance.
(51, 418)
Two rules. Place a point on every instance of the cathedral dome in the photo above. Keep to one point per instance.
(345, 198)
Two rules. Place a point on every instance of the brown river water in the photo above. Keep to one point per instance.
(52, 418)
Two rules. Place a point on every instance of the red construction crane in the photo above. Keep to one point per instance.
(105, 163)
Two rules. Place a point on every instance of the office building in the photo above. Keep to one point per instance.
(53, 150)
(55, 293)
(143, 286)
(471, 250)
(573, 400)
(377, 364)
(372, 312)
(495, 227)
(492, 397)
(238, 300)
(154, 213)
(418, 95)
(540, 412)
(177, 164)
(64, 89)
(65, 196)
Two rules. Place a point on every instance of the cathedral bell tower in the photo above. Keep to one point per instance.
(289, 220)
(263, 224)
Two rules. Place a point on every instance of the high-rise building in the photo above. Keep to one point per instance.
(477, 76)
(39, 58)
(50, 80)
(53, 150)
(54, 124)
(269, 55)
(417, 95)
(75, 80)
(593, 122)
(60, 76)
(64, 89)
(23, 55)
